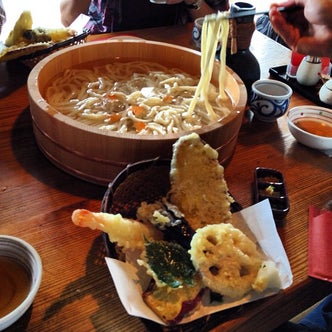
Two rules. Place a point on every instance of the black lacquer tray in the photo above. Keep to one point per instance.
(309, 92)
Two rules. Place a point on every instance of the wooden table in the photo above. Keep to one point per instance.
(77, 293)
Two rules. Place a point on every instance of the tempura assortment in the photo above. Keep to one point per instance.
(186, 241)
(23, 39)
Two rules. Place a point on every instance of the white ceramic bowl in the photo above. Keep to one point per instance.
(325, 92)
(18, 250)
(319, 115)
(269, 99)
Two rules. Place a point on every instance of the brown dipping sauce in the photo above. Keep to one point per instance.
(315, 127)
(15, 283)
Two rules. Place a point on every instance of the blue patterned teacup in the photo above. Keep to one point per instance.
(269, 99)
(197, 31)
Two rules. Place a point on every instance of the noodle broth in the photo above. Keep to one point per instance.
(134, 96)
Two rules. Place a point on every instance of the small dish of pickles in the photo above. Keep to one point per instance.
(270, 184)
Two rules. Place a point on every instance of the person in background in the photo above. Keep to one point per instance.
(310, 31)
(121, 15)
(2, 15)
(264, 26)
(317, 320)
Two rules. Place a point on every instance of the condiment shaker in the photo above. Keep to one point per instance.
(308, 71)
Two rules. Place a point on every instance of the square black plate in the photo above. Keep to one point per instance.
(270, 184)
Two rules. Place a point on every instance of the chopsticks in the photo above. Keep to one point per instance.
(234, 13)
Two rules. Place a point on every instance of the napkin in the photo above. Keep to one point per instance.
(80, 22)
(320, 245)
(256, 221)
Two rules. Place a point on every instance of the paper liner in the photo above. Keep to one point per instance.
(256, 221)
(319, 245)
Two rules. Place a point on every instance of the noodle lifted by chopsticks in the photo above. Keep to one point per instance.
(215, 30)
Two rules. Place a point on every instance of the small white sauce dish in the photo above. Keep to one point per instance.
(312, 126)
(21, 274)
(325, 92)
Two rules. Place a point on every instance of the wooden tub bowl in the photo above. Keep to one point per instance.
(98, 156)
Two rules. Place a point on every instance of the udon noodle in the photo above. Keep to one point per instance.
(142, 97)
(214, 30)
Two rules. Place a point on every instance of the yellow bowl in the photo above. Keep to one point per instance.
(98, 156)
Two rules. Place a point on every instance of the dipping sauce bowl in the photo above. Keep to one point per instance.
(311, 126)
(20, 278)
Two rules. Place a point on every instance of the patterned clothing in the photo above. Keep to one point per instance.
(317, 320)
(2, 15)
(120, 15)
(264, 26)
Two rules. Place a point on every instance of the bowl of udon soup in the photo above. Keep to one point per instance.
(99, 106)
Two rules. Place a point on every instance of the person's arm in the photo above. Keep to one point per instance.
(71, 9)
(307, 31)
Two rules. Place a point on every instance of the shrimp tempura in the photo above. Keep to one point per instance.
(127, 233)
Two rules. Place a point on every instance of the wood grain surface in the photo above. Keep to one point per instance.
(77, 292)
